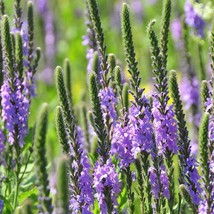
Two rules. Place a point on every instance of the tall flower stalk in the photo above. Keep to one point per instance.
(164, 122)
(15, 91)
(81, 190)
(188, 167)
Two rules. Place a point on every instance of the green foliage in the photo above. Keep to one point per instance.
(2, 7)
(67, 77)
(63, 186)
(85, 125)
(40, 159)
(125, 96)
(18, 13)
(158, 69)
(30, 32)
(98, 118)
(165, 30)
(184, 141)
(130, 53)
(204, 139)
(186, 196)
(19, 55)
(61, 131)
(7, 45)
(112, 65)
(204, 93)
(97, 27)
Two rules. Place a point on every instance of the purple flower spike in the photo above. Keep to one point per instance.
(193, 183)
(165, 129)
(164, 182)
(122, 145)
(85, 199)
(154, 182)
(108, 103)
(193, 19)
(106, 177)
(140, 121)
(15, 111)
(134, 136)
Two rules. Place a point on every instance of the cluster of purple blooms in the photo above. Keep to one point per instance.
(106, 178)
(132, 136)
(84, 200)
(108, 103)
(165, 129)
(15, 110)
(159, 186)
(16, 92)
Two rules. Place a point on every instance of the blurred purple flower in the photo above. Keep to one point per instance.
(47, 18)
(176, 29)
(1, 206)
(106, 178)
(190, 94)
(193, 19)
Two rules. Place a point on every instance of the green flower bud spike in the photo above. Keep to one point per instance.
(40, 160)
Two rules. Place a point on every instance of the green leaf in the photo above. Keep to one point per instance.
(30, 194)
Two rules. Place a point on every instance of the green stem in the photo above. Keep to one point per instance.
(16, 191)
(201, 63)
(20, 180)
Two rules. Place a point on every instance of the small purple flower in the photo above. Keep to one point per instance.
(193, 19)
(108, 103)
(165, 129)
(106, 177)
(208, 104)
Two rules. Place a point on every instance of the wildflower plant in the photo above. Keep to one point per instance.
(122, 150)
